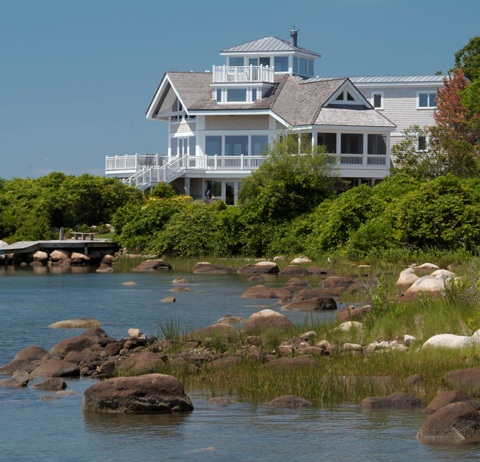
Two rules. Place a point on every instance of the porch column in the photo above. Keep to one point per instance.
(365, 149)
(186, 185)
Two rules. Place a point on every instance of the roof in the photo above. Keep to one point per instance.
(399, 79)
(267, 44)
(296, 101)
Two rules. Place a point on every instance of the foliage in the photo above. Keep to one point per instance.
(468, 59)
(163, 190)
(288, 183)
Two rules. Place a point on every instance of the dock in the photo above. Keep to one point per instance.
(80, 245)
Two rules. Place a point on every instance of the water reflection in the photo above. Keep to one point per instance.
(147, 424)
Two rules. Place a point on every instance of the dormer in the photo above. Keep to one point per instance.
(250, 69)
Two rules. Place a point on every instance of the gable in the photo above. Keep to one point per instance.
(348, 95)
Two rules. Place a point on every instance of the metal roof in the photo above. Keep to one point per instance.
(267, 44)
(401, 79)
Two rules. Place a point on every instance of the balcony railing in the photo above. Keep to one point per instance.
(131, 163)
(242, 74)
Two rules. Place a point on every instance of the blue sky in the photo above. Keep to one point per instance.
(77, 76)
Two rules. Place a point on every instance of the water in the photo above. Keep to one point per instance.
(35, 430)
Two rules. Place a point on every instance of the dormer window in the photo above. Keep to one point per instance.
(281, 63)
(236, 95)
(345, 96)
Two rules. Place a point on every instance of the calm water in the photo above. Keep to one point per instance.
(35, 430)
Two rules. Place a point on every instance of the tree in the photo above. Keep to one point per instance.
(288, 183)
(468, 59)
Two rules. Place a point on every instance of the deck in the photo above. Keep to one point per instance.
(82, 245)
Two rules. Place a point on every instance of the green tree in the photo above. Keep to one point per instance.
(288, 183)
(468, 59)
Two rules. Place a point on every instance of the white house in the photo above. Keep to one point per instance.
(220, 122)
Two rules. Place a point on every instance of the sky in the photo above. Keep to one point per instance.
(77, 76)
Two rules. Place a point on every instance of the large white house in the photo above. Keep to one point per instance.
(220, 122)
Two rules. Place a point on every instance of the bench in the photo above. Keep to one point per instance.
(83, 236)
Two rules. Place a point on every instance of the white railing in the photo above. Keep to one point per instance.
(133, 162)
(236, 74)
(360, 159)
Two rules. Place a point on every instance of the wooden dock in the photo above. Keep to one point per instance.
(79, 245)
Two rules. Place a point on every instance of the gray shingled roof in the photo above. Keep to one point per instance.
(267, 44)
(297, 101)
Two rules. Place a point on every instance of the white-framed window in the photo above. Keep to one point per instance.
(422, 143)
(280, 63)
(426, 99)
(236, 95)
(377, 99)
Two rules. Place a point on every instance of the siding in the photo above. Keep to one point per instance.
(400, 105)
(249, 122)
(183, 127)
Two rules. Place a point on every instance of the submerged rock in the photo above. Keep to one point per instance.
(290, 401)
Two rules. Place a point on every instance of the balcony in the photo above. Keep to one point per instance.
(243, 74)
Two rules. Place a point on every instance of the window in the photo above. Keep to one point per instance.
(237, 95)
(219, 95)
(352, 143)
(377, 100)
(253, 61)
(264, 61)
(329, 140)
(230, 193)
(213, 145)
(302, 66)
(236, 145)
(422, 143)
(254, 94)
(345, 96)
(377, 144)
(236, 61)
(281, 64)
(259, 144)
(426, 100)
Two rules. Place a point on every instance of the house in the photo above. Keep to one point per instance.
(219, 122)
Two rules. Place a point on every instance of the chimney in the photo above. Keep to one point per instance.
(293, 36)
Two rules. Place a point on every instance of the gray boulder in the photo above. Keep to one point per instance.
(312, 304)
(448, 397)
(146, 394)
(56, 368)
(152, 265)
(397, 400)
(267, 319)
(453, 423)
(289, 402)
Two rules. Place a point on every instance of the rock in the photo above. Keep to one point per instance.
(448, 397)
(221, 330)
(231, 319)
(259, 291)
(19, 379)
(40, 255)
(352, 347)
(347, 284)
(406, 278)
(257, 278)
(135, 333)
(79, 256)
(315, 270)
(264, 267)
(180, 280)
(179, 289)
(145, 362)
(168, 300)
(289, 402)
(25, 360)
(82, 323)
(32, 353)
(105, 269)
(288, 362)
(146, 394)
(397, 400)
(305, 294)
(293, 270)
(301, 260)
(297, 282)
(312, 304)
(453, 423)
(426, 266)
(80, 342)
(267, 319)
(429, 285)
(129, 283)
(59, 255)
(152, 265)
(209, 268)
(443, 274)
(56, 368)
(53, 384)
(467, 380)
(346, 326)
(350, 313)
(449, 341)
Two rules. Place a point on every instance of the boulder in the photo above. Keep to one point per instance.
(145, 362)
(221, 401)
(168, 300)
(453, 423)
(397, 400)
(259, 291)
(347, 325)
(449, 341)
(316, 271)
(80, 342)
(448, 397)
(467, 380)
(56, 368)
(264, 267)
(146, 394)
(297, 282)
(312, 304)
(32, 353)
(19, 379)
(301, 260)
(347, 284)
(429, 285)
(152, 265)
(82, 323)
(135, 333)
(219, 329)
(40, 255)
(105, 269)
(289, 402)
(406, 278)
(180, 280)
(352, 313)
(293, 270)
(210, 268)
(267, 319)
(52, 384)
(59, 255)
